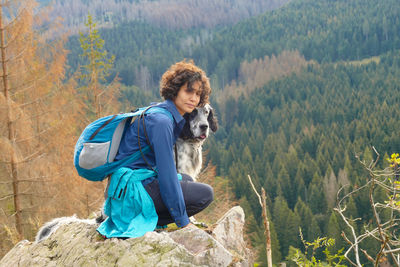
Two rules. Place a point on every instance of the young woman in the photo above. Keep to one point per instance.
(149, 192)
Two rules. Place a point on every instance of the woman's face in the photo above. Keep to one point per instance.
(187, 100)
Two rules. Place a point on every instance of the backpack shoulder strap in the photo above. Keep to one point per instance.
(156, 109)
(148, 110)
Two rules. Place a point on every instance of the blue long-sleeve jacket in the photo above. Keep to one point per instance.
(162, 134)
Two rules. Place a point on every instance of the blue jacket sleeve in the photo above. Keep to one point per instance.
(161, 135)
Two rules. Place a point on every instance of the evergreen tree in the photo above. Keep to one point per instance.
(286, 224)
(96, 69)
(333, 231)
(317, 199)
(306, 217)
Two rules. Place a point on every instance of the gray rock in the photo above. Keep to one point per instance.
(77, 243)
(228, 231)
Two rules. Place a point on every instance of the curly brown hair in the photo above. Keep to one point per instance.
(181, 73)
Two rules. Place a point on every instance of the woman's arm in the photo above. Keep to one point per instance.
(160, 130)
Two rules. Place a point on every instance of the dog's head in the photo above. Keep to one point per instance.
(198, 123)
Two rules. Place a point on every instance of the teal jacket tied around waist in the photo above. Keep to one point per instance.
(130, 209)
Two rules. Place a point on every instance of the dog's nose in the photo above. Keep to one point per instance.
(203, 127)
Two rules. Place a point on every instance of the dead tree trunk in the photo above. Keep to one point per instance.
(10, 127)
(267, 233)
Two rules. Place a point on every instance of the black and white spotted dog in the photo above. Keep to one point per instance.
(189, 160)
(189, 144)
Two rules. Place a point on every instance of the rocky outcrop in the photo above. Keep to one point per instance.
(77, 243)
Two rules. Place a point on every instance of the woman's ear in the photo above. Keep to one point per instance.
(212, 121)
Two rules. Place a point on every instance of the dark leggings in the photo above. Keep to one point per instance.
(197, 197)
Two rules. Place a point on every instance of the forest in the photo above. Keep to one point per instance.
(341, 31)
(303, 93)
(300, 134)
(175, 14)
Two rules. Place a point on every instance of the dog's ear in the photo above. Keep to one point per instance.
(212, 121)
(186, 133)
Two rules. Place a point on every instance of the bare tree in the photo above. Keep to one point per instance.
(165, 13)
(40, 117)
(383, 226)
(255, 74)
(15, 19)
(267, 232)
(31, 73)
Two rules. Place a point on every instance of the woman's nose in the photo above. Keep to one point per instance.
(194, 97)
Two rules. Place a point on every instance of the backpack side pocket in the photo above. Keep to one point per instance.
(94, 155)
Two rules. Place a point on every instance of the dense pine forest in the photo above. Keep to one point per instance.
(325, 31)
(298, 138)
(302, 92)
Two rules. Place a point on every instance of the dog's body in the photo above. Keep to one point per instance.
(189, 144)
(190, 157)
(50, 227)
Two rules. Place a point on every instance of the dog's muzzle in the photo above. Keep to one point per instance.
(203, 128)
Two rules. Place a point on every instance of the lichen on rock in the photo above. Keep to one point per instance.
(77, 243)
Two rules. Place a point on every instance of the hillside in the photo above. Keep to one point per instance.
(325, 31)
(299, 91)
(176, 14)
(310, 85)
(300, 134)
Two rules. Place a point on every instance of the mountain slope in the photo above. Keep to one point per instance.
(298, 134)
(174, 14)
(298, 137)
(326, 31)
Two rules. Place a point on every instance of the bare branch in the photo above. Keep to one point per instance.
(29, 84)
(28, 181)
(6, 197)
(255, 191)
(377, 158)
(353, 232)
(392, 250)
(35, 155)
(31, 157)
(21, 53)
(383, 231)
(39, 133)
(368, 256)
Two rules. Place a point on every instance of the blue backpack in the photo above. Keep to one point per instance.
(98, 144)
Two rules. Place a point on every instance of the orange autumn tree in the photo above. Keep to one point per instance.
(38, 125)
(20, 97)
